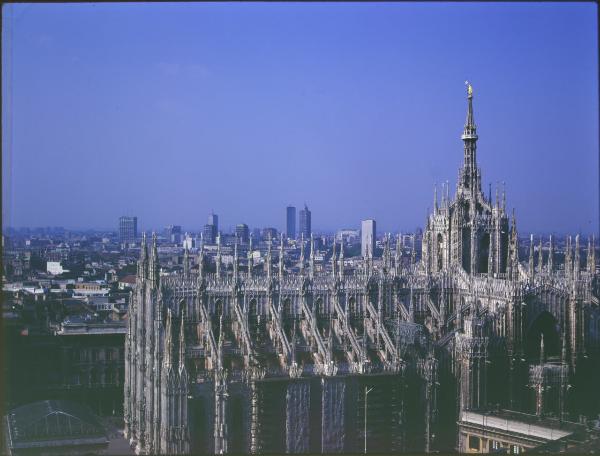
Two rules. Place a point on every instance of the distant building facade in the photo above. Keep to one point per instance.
(127, 230)
(173, 234)
(347, 235)
(269, 234)
(290, 222)
(209, 233)
(243, 233)
(368, 230)
(55, 268)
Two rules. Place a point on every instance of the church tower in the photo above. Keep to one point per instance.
(470, 231)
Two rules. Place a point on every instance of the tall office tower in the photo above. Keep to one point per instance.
(242, 232)
(173, 234)
(290, 226)
(368, 233)
(127, 229)
(213, 219)
(209, 233)
(305, 226)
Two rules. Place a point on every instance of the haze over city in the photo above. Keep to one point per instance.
(169, 111)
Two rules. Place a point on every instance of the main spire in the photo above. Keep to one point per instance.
(469, 175)
(470, 131)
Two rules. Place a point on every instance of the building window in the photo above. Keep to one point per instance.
(109, 354)
(515, 449)
(495, 445)
(473, 443)
(94, 377)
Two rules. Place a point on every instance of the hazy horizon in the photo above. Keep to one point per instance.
(169, 111)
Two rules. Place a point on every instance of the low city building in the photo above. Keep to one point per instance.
(54, 428)
(509, 431)
(127, 282)
(55, 268)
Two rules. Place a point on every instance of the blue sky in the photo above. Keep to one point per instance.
(166, 111)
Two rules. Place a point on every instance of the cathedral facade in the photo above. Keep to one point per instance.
(384, 359)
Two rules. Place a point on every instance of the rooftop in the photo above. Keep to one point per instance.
(53, 424)
(521, 423)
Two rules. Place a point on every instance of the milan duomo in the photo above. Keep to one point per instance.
(397, 355)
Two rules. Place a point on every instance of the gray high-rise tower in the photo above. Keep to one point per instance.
(213, 219)
(127, 229)
(290, 226)
(305, 222)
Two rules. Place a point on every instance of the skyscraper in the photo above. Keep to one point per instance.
(213, 219)
(209, 233)
(242, 233)
(290, 226)
(305, 222)
(367, 233)
(127, 229)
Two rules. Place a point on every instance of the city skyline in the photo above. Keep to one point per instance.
(350, 144)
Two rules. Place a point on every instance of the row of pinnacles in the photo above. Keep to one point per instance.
(572, 258)
(338, 269)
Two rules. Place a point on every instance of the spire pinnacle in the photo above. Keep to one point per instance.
(186, 261)
(531, 269)
(312, 256)
(576, 266)
(342, 258)
(302, 254)
(201, 260)
(281, 256)
(143, 261)
(568, 258)
(154, 266)
(182, 340)
(398, 259)
(269, 258)
(551, 256)
(218, 262)
(333, 262)
(469, 180)
(541, 257)
(497, 197)
(470, 129)
(592, 253)
(235, 258)
(168, 339)
(250, 259)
